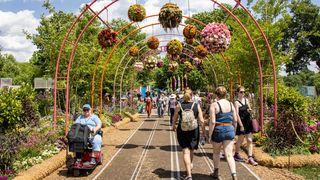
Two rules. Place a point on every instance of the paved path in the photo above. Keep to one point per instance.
(151, 151)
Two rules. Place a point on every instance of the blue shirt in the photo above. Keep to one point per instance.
(93, 121)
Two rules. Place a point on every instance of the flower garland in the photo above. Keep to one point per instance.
(200, 51)
(190, 31)
(134, 51)
(107, 37)
(153, 42)
(170, 16)
(136, 13)
(216, 37)
(138, 66)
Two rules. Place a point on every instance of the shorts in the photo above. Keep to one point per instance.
(222, 133)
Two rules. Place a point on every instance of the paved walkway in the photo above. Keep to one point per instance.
(151, 151)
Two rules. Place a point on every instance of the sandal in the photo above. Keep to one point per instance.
(188, 178)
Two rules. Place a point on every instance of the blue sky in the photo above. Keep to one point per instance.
(19, 15)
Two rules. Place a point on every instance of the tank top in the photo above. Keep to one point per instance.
(224, 117)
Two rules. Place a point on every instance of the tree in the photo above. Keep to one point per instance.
(302, 35)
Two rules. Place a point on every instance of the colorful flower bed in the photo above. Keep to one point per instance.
(107, 38)
(216, 37)
(136, 13)
(170, 16)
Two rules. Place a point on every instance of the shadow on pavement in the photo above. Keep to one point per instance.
(162, 173)
(127, 146)
(168, 148)
(150, 147)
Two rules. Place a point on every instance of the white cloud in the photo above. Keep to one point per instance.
(12, 39)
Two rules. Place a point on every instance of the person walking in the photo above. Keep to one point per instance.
(243, 109)
(148, 101)
(187, 128)
(160, 105)
(172, 106)
(223, 119)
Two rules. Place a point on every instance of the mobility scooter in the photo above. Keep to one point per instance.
(78, 142)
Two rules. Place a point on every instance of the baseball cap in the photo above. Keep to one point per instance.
(87, 106)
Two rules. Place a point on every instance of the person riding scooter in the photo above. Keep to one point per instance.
(94, 124)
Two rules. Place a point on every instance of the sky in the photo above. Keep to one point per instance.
(17, 16)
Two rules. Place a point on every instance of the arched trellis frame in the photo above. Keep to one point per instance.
(73, 52)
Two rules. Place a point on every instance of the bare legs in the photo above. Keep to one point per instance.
(249, 143)
(228, 150)
(187, 159)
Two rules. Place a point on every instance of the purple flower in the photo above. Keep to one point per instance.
(318, 125)
(304, 127)
(312, 128)
(313, 148)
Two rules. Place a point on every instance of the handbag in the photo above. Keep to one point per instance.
(255, 126)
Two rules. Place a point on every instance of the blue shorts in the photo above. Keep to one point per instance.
(96, 142)
(222, 133)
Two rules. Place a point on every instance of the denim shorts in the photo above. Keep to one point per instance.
(222, 133)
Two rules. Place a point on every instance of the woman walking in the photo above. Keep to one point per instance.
(148, 101)
(223, 119)
(243, 108)
(172, 106)
(188, 139)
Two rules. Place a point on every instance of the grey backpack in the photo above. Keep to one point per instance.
(188, 121)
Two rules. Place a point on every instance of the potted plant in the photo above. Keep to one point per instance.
(174, 47)
(134, 51)
(216, 37)
(150, 62)
(107, 38)
(170, 16)
(136, 13)
(153, 42)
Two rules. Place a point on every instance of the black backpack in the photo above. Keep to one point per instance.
(78, 137)
(243, 111)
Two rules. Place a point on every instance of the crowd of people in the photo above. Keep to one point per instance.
(225, 119)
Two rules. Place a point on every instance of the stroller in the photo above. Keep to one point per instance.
(79, 144)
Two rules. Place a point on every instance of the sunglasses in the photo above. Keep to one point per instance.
(242, 91)
(85, 109)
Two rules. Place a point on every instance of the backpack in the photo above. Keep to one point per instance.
(188, 121)
(243, 111)
(78, 137)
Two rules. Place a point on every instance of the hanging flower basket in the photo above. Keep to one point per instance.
(138, 66)
(136, 13)
(153, 42)
(190, 32)
(173, 66)
(134, 51)
(160, 63)
(200, 51)
(189, 66)
(189, 41)
(174, 47)
(170, 16)
(150, 62)
(216, 37)
(107, 38)
(197, 61)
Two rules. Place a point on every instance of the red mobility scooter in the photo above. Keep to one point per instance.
(78, 142)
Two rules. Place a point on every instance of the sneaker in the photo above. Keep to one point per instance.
(222, 156)
(238, 158)
(252, 161)
(93, 161)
